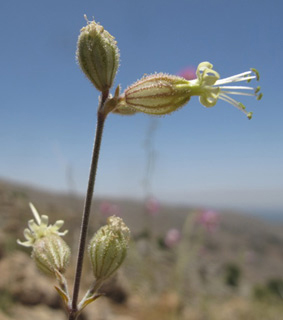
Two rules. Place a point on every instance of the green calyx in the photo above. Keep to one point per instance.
(98, 55)
(108, 248)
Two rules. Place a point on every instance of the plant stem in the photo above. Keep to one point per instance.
(101, 116)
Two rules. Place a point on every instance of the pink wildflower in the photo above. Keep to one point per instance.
(152, 206)
(209, 219)
(172, 238)
(109, 209)
(188, 73)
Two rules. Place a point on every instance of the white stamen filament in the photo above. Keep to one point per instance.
(238, 93)
(236, 78)
(235, 103)
(237, 87)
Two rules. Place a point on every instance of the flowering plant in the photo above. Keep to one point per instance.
(157, 94)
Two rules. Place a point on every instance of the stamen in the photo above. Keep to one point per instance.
(230, 100)
(238, 77)
(257, 89)
(238, 87)
(211, 90)
(256, 73)
(235, 103)
(238, 93)
(233, 79)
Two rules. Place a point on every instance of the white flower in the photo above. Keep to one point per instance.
(209, 87)
(160, 93)
(39, 228)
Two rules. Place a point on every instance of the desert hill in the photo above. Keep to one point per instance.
(235, 260)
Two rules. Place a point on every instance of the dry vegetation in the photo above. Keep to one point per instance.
(233, 273)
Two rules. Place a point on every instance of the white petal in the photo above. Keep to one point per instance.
(44, 220)
(35, 213)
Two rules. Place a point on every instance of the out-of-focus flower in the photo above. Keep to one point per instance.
(109, 209)
(152, 206)
(160, 93)
(188, 73)
(209, 219)
(172, 238)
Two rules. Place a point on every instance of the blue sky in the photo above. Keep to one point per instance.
(203, 156)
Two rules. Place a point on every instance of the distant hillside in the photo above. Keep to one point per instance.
(196, 267)
(238, 235)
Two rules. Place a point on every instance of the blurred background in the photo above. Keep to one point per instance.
(203, 156)
(174, 168)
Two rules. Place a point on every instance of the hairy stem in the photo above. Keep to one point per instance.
(101, 116)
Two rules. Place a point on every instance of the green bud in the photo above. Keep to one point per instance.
(108, 248)
(51, 254)
(98, 55)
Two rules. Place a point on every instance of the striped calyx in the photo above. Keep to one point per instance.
(98, 55)
(51, 254)
(156, 94)
(108, 248)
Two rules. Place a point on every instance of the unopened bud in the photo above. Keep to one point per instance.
(51, 254)
(108, 248)
(155, 94)
(98, 55)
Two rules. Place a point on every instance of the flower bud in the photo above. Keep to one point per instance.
(98, 55)
(51, 254)
(108, 247)
(156, 94)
